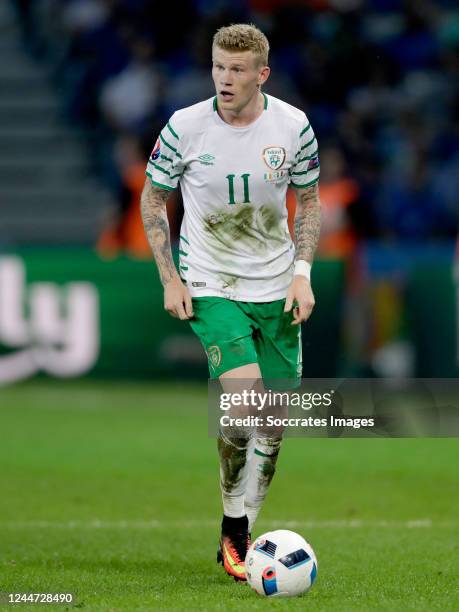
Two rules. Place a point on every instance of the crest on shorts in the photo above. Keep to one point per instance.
(215, 355)
(274, 157)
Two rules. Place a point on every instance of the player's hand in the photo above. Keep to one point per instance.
(300, 292)
(177, 299)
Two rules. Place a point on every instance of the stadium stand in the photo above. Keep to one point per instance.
(47, 194)
(377, 80)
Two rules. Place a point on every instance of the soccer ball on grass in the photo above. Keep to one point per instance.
(280, 563)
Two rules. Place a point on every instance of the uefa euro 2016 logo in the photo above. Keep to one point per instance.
(156, 151)
(59, 336)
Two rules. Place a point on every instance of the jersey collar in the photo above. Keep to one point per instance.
(265, 105)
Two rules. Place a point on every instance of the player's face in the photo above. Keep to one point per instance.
(237, 76)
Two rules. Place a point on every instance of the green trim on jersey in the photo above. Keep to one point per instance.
(308, 157)
(214, 103)
(305, 130)
(183, 253)
(305, 185)
(305, 146)
(171, 130)
(184, 239)
(153, 182)
(265, 106)
(169, 145)
(305, 172)
(166, 158)
(172, 176)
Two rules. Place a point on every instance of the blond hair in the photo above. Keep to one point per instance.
(243, 37)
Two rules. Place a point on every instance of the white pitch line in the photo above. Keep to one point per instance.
(193, 524)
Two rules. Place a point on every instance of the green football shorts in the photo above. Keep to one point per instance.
(238, 333)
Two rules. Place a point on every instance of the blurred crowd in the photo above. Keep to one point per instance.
(378, 80)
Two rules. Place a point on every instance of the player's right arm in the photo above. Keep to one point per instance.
(177, 299)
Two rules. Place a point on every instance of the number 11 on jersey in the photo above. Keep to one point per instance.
(245, 181)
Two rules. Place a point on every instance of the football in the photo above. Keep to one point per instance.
(280, 564)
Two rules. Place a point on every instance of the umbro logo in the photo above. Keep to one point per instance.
(206, 159)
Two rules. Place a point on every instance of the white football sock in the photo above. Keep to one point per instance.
(261, 470)
(234, 471)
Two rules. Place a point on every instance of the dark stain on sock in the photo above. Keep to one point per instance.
(267, 469)
(232, 460)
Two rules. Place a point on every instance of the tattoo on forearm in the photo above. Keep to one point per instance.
(307, 223)
(154, 216)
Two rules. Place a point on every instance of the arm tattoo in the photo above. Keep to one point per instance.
(307, 223)
(154, 216)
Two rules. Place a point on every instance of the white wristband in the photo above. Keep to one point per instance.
(302, 268)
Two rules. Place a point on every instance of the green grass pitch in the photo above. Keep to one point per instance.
(110, 491)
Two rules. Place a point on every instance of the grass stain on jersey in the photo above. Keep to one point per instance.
(229, 281)
(269, 218)
(229, 227)
(255, 228)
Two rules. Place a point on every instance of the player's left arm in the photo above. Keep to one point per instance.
(307, 232)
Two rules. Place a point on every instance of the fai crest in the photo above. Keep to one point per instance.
(215, 355)
(274, 157)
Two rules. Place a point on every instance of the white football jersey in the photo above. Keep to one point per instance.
(234, 239)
